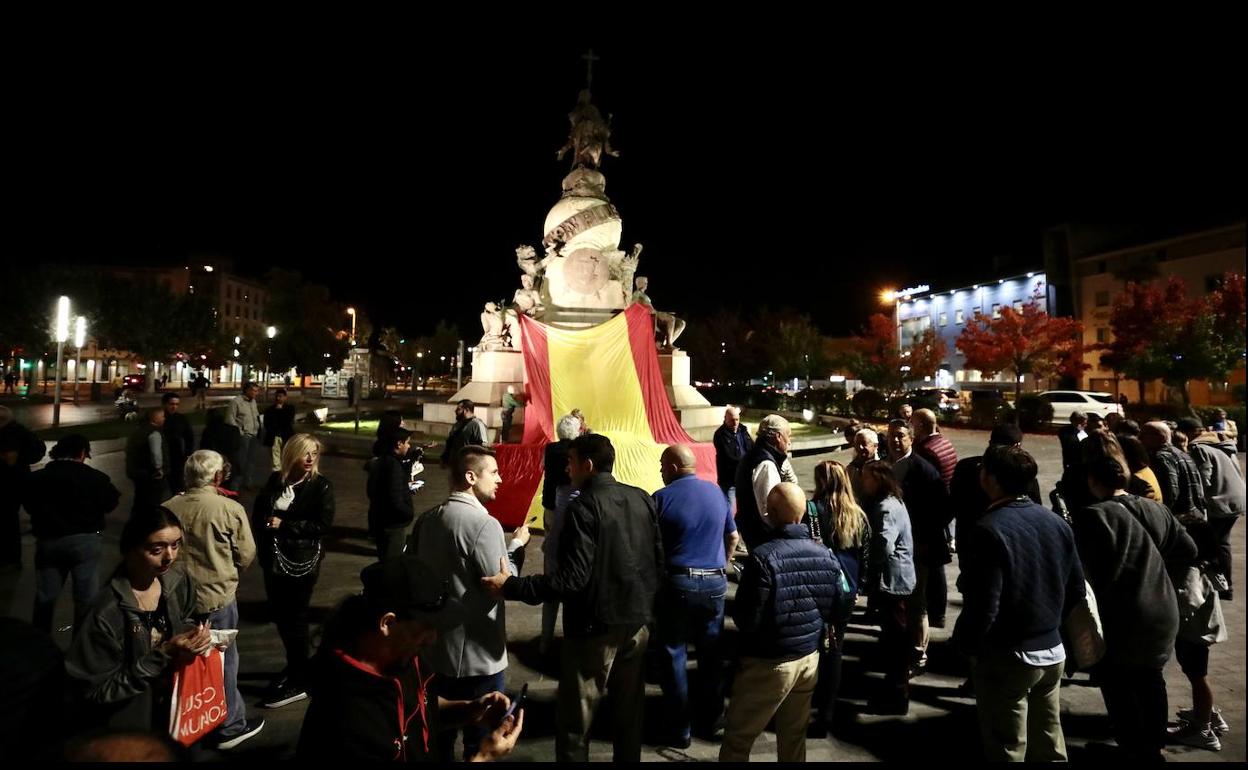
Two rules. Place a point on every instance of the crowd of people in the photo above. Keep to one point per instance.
(1126, 568)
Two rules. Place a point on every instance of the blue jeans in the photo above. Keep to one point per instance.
(236, 709)
(56, 557)
(465, 688)
(691, 609)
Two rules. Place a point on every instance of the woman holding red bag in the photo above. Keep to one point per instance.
(138, 631)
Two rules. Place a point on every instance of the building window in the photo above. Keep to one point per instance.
(1018, 306)
(996, 310)
(1102, 299)
(960, 376)
(976, 311)
(959, 317)
(925, 323)
(944, 319)
(1102, 335)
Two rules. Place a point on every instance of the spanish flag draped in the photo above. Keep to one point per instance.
(611, 373)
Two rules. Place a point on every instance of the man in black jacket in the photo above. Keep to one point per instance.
(147, 459)
(732, 442)
(19, 449)
(390, 511)
(1069, 437)
(789, 590)
(67, 502)
(279, 426)
(610, 559)
(179, 438)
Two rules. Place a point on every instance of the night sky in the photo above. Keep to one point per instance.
(404, 174)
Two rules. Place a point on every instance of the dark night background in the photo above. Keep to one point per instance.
(403, 172)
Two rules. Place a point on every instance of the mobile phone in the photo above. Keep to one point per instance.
(518, 703)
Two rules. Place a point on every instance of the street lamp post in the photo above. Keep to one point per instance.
(80, 337)
(416, 376)
(351, 312)
(270, 332)
(62, 334)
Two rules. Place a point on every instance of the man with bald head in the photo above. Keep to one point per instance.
(699, 536)
(732, 442)
(791, 588)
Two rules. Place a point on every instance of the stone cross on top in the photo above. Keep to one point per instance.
(589, 67)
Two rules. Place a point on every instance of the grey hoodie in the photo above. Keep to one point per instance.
(1222, 477)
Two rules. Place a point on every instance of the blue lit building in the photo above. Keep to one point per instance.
(948, 311)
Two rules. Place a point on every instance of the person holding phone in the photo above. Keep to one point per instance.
(372, 650)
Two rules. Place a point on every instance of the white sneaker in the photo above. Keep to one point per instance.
(1216, 722)
(250, 730)
(1190, 734)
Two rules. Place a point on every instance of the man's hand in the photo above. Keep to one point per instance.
(494, 584)
(489, 709)
(500, 743)
(522, 534)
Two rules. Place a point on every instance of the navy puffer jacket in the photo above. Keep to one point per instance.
(790, 588)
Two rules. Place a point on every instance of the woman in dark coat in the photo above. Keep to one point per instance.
(292, 515)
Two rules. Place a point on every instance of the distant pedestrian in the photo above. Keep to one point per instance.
(390, 511)
(866, 446)
(67, 501)
(10, 379)
(511, 402)
(180, 438)
(1069, 437)
(732, 442)
(763, 467)
(222, 439)
(279, 426)
(147, 461)
(905, 411)
(202, 396)
(243, 414)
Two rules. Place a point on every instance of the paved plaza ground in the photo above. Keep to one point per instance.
(941, 720)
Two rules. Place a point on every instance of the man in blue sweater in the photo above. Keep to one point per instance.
(788, 592)
(1023, 582)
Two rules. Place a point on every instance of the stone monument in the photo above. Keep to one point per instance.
(582, 279)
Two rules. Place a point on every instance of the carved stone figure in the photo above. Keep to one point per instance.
(527, 299)
(671, 326)
(590, 135)
(492, 328)
(628, 266)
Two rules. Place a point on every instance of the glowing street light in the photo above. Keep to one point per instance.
(80, 338)
(270, 332)
(62, 334)
(351, 312)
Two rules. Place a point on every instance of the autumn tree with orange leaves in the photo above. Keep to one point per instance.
(877, 360)
(1029, 341)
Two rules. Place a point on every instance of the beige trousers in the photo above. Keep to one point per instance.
(764, 688)
(277, 453)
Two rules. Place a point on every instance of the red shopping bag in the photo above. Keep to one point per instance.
(198, 698)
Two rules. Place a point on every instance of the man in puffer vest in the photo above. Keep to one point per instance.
(788, 592)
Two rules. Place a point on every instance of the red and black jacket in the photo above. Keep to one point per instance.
(356, 713)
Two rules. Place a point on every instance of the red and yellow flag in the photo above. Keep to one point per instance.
(611, 373)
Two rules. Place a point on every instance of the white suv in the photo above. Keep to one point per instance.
(1066, 401)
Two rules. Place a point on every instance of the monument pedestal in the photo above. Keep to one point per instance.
(492, 372)
(697, 416)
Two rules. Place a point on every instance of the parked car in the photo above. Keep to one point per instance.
(946, 398)
(1066, 401)
(136, 381)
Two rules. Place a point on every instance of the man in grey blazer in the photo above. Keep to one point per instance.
(461, 540)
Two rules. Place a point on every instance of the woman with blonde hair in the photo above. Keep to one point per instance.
(835, 517)
(292, 514)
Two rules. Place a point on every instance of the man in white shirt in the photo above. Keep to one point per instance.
(243, 414)
(765, 466)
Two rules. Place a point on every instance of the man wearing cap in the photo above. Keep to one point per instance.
(67, 501)
(461, 540)
(610, 559)
(370, 690)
